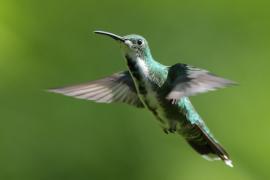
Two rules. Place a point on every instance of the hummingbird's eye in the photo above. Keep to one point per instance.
(139, 42)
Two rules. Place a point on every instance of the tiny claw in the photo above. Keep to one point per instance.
(172, 130)
(165, 130)
(174, 101)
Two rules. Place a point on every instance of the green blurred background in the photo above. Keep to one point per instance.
(50, 43)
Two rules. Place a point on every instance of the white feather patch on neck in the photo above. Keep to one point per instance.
(143, 66)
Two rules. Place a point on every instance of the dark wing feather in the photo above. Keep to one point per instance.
(186, 80)
(118, 87)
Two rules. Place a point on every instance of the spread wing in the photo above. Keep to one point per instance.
(118, 87)
(186, 80)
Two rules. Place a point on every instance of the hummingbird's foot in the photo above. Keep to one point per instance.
(173, 127)
(169, 130)
(172, 130)
(166, 130)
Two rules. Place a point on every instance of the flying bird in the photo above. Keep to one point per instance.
(163, 90)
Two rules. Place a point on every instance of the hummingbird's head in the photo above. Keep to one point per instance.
(132, 45)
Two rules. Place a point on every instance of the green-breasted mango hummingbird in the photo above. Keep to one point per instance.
(163, 90)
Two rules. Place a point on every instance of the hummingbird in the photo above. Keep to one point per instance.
(162, 90)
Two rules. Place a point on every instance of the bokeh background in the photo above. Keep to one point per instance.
(46, 44)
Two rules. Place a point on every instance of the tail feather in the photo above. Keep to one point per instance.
(206, 145)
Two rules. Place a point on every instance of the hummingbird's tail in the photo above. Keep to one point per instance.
(201, 141)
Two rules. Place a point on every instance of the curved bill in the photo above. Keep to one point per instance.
(114, 36)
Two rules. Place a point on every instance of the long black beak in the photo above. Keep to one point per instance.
(114, 36)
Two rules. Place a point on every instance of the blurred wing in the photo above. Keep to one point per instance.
(188, 81)
(118, 87)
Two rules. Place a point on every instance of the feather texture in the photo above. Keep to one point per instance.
(187, 80)
(205, 144)
(118, 87)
